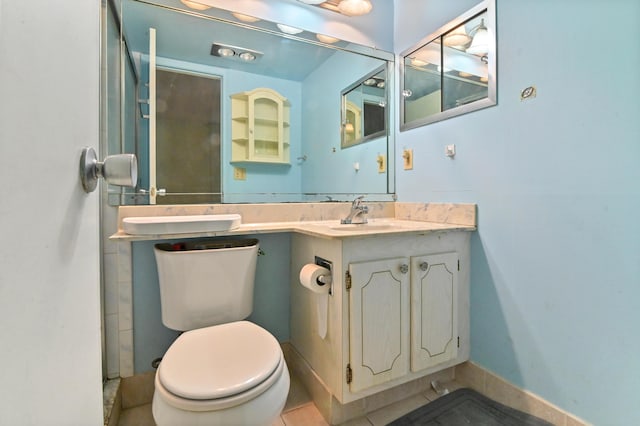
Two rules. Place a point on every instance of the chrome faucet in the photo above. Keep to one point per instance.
(356, 215)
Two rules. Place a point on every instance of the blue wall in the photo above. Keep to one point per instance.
(270, 299)
(321, 131)
(555, 300)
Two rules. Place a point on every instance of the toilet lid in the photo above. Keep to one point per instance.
(219, 361)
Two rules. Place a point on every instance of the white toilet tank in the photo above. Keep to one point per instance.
(206, 282)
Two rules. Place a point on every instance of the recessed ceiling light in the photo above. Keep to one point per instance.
(245, 18)
(195, 5)
(247, 56)
(226, 52)
(289, 30)
(235, 53)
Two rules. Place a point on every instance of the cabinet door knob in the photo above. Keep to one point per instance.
(424, 266)
(404, 268)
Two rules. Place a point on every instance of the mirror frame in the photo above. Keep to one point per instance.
(343, 109)
(486, 5)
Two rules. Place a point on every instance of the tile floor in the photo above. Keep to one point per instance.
(300, 410)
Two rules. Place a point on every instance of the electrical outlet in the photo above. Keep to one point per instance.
(239, 173)
(382, 163)
(450, 150)
(407, 155)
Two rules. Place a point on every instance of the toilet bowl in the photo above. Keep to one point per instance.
(229, 374)
(222, 370)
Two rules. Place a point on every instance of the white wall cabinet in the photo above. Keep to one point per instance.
(260, 127)
(399, 309)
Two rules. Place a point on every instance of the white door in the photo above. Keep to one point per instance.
(434, 310)
(49, 256)
(378, 321)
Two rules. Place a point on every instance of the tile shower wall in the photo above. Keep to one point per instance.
(118, 324)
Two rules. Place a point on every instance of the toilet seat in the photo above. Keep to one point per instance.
(219, 367)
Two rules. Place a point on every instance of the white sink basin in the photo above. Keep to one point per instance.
(158, 225)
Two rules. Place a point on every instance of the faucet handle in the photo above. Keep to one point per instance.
(357, 201)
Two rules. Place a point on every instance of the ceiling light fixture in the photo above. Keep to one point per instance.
(244, 18)
(289, 30)
(195, 5)
(480, 42)
(355, 7)
(311, 1)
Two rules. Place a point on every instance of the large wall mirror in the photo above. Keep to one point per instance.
(221, 107)
(452, 71)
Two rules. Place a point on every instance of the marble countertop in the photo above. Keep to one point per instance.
(316, 219)
(323, 229)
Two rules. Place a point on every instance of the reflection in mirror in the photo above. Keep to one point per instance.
(452, 71)
(217, 47)
(364, 112)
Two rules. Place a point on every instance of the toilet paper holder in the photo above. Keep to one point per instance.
(325, 279)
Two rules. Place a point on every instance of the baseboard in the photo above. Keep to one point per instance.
(472, 375)
(112, 402)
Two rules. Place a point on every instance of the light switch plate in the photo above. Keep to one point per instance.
(382, 163)
(407, 155)
(239, 173)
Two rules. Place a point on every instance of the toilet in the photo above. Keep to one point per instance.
(222, 370)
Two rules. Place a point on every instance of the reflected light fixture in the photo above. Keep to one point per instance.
(247, 56)
(235, 53)
(225, 52)
(480, 42)
(289, 30)
(457, 37)
(195, 5)
(418, 62)
(327, 39)
(348, 127)
(355, 7)
(244, 18)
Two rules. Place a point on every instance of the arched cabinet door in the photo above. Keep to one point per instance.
(378, 322)
(260, 127)
(434, 310)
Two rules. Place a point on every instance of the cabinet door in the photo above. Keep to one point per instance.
(378, 321)
(434, 309)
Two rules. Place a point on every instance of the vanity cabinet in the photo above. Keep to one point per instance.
(395, 300)
(399, 309)
(260, 127)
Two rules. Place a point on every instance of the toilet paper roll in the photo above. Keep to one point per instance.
(318, 279)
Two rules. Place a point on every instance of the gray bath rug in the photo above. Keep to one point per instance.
(466, 407)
